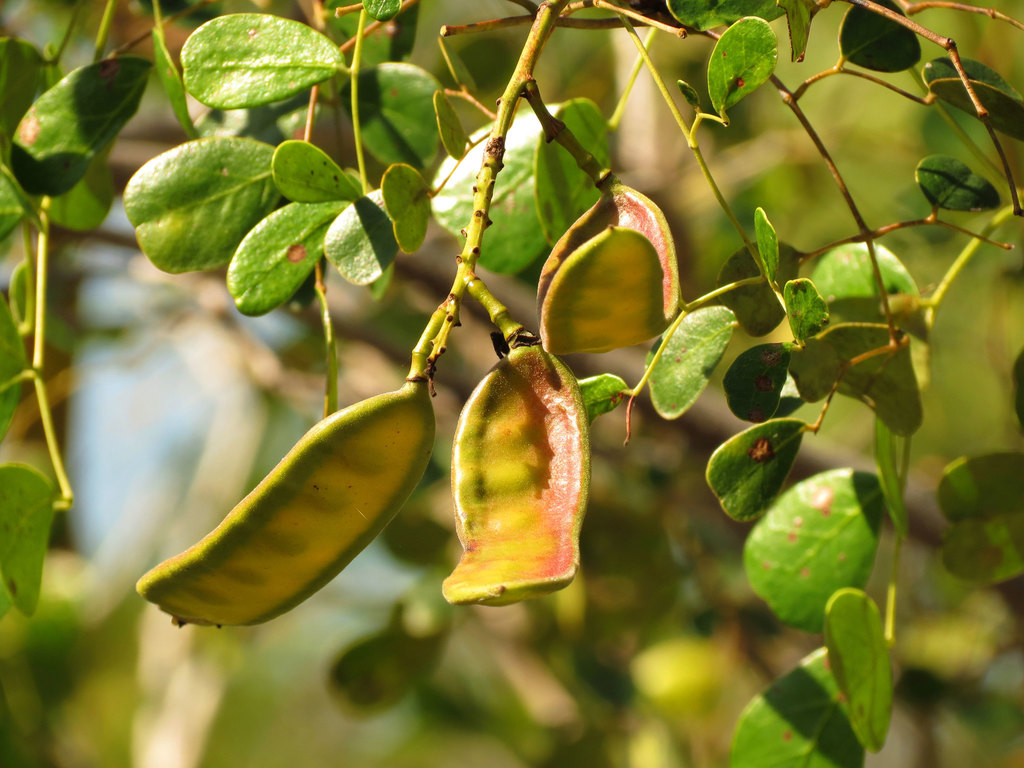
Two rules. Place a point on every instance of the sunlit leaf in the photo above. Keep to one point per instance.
(449, 127)
(875, 42)
(951, 184)
(170, 79)
(383, 10)
(807, 311)
(26, 511)
(753, 384)
(743, 59)
(361, 241)
(602, 393)
(407, 201)
(767, 244)
(304, 173)
(799, 14)
(705, 14)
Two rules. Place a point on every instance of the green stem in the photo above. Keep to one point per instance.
(357, 56)
(104, 31)
(891, 593)
(330, 348)
(27, 322)
(620, 108)
(496, 311)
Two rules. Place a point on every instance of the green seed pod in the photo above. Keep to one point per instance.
(619, 249)
(520, 476)
(322, 504)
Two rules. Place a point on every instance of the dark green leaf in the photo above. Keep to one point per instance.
(392, 42)
(691, 356)
(798, 722)
(396, 112)
(21, 70)
(743, 59)
(807, 311)
(1003, 102)
(985, 551)
(563, 191)
(361, 241)
(75, 119)
(20, 292)
(872, 41)
(753, 383)
(11, 205)
(799, 14)
(26, 511)
(602, 393)
(249, 59)
(305, 173)
(86, 205)
(819, 536)
(757, 307)
(705, 14)
(383, 10)
(1018, 385)
(453, 135)
(767, 244)
(689, 93)
(950, 184)
(859, 657)
(12, 363)
(888, 473)
(192, 205)
(278, 254)
(747, 471)
(407, 201)
(271, 124)
(170, 79)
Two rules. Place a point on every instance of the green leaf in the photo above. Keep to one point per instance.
(396, 113)
(86, 205)
(807, 311)
(819, 536)
(304, 173)
(249, 59)
(689, 93)
(170, 79)
(407, 201)
(449, 127)
(26, 511)
(799, 14)
(515, 238)
(790, 400)
(74, 120)
(950, 184)
(705, 14)
(1003, 102)
(874, 42)
(563, 191)
(743, 59)
(11, 208)
(748, 470)
(767, 244)
(383, 10)
(192, 205)
(859, 657)
(885, 382)
(689, 359)
(271, 124)
(392, 42)
(757, 307)
(278, 254)
(20, 292)
(21, 71)
(361, 241)
(754, 381)
(12, 363)
(602, 394)
(1018, 385)
(888, 473)
(799, 722)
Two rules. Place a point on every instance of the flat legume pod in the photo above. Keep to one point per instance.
(520, 477)
(325, 501)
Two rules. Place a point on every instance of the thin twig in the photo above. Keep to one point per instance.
(911, 8)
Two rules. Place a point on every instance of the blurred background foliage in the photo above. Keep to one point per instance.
(172, 405)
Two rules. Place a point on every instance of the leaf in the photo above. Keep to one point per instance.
(951, 184)
(170, 79)
(361, 241)
(11, 205)
(563, 191)
(799, 14)
(249, 59)
(192, 205)
(885, 382)
(798, 722)
(396, 113)
(757, 307)
(602, 394)
(383, 10)
(407, 201)
(767, 244)
(392, 42)
(1018, 385)
(1003, 102)
(705, 14)
(689, 359)
(888, 473)
(748, 470)
(859, 657)
(753, 383)
(449, 127)
(26, 511)
(807, 311)
(12, 363)
(86, 205)
(819, 536)
(515, 238)
(21, 71)
(790, 400)
(271, 124)
(304, 173)
(74, 120)
(20, 292)
(743, 59)
(689, 93)
(278, 254)
(874, 42)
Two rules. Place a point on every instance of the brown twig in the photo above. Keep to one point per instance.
(911, 8)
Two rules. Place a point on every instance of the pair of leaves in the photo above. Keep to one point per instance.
(1003, 102)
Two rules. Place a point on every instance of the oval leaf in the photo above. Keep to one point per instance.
(26, 511)
(407, 201)
(21, 71)
(807, 311)
(1003, 102)
(767, 244)
(361, 241)
(819, 536)
(753, 384)
(602, 394)
(249, 59)
(383, 10)
(86, 205)
(705, 14)
(872, 41)
(950, 184)
(170, 79)
(12, 363)
(305, 173)
(743, 59)
(453, 135)
(757, 307)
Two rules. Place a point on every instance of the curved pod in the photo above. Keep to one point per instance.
(586, 281)
(520, 477)
(322, 504)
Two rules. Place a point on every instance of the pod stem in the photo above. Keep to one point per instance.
(357, 55)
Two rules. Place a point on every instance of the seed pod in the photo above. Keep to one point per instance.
(322, 504)
(611, 280)
(520, 476)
